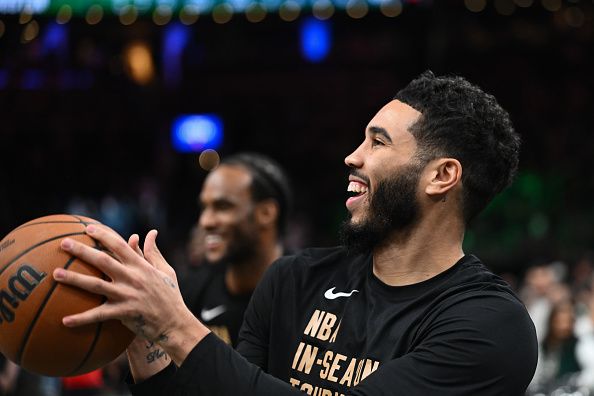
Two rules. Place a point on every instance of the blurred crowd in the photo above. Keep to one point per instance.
(560, 300)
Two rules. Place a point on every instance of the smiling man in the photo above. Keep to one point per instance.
(401, 309)
(245, 203)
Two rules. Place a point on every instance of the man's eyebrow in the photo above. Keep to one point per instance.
(216, 201)
(375, 130)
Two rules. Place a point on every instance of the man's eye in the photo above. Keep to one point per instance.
(223, 205)
(376, 142)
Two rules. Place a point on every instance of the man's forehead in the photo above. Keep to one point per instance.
(395, 117)
(228, 179)
(236, 173)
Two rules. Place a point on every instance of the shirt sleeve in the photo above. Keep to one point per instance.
(157, 385)
(214, 368)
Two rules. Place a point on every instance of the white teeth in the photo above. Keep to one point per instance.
(357, 187)
(212, 239)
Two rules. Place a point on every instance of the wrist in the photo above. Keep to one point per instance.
(182, 339)
(146, 359)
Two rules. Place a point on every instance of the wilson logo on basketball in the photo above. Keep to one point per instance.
(6, 244)
(20, 286)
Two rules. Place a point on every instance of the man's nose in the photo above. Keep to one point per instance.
(354, 159)
(208, 219)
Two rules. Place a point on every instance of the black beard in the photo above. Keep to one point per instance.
(243, 248)
(392, 207)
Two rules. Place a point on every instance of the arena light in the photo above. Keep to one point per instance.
(139, 61)
(55, 38)
(197, 132)
(175, 39)
(315, 39)
(19, 6)
(289, 10)
(30, 32)
(64, 14)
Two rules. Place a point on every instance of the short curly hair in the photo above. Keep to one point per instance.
(461, 121)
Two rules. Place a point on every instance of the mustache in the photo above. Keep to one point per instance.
(357, 173)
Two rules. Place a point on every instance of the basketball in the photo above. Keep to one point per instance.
(32, 304)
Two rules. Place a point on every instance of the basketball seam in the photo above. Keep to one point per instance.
(80, 221)
(84, 221)
(91, 349)
(37, 314)
(95, 339)
(97, 330)
(21, 254)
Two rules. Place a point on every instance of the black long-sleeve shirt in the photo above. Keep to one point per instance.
(320, 322)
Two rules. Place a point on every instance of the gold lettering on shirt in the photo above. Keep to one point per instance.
(347, 377)
(320, 325)
(326, 327)
(333, 339)
(313, 390)
(314, 323)
(370, 367)
(325, 364)
(335, 366)
(304, 358)
(358, 375)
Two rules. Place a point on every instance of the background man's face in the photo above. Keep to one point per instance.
(227, 220)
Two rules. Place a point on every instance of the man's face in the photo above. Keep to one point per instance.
(227, 220)
(384, 179)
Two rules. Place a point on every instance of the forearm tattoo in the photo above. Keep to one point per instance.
(139, 324)
(162, 338)
(155, 355)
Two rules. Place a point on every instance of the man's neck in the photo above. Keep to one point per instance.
(415, 256)
(243, 278)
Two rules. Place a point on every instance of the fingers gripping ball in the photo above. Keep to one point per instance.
(32, 304)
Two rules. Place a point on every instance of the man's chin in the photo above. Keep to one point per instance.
(357, 237)
(355, 220)
(214, 258)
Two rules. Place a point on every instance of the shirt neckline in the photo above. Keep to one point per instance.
(412, 290)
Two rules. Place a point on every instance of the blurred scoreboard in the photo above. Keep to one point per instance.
(142, 7)
(80, 7)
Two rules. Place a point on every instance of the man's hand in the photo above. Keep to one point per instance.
(142, 292)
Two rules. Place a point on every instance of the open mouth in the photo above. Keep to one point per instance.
(357, 188)
(212, 241)
(357, 191)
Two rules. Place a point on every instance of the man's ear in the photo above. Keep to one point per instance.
(266, 212)
(444, 175)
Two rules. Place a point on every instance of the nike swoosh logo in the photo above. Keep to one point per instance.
(209, 314)
(330, 295)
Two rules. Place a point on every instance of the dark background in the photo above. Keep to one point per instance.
(100, 143)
